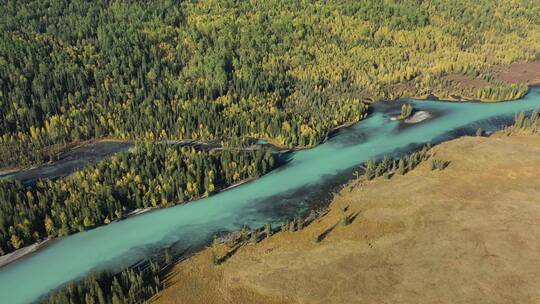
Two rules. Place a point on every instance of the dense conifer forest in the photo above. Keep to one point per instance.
(282, 70)
(131, 286)
(153, 175)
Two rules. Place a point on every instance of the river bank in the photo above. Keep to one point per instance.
(93, 151)
(526, 72)
(27, 250)
(381, 254)
(278, 196)
(22, 252)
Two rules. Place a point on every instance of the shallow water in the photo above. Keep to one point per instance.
(287, 192)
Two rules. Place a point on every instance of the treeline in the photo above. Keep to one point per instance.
(153, 175)
(131, 286)
(523, 123)
(387, 167)
(286, 71)
(502, 92)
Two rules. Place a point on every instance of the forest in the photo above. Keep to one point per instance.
(131, 286)
(153, 175)
(280, 70)
(523, 123)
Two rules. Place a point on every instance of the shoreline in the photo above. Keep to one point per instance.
(27, 250)
(330, 133)
(459, 98)
(372, 229)
(22, 252)
(36, 247)
(5, 259)
(456, 98)
(524, 72)
(213, 147)
(138, 211)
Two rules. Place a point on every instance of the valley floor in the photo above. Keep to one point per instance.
(467, 234)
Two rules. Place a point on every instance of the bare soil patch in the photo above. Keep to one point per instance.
(467, 82)
(528, 73)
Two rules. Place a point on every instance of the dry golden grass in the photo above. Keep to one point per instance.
(468, 234)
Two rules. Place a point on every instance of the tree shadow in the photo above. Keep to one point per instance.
(313, 216)
(326, 232)
(446, 164)
(352, 217)
(230, 253)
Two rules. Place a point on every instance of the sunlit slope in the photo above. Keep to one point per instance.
(467, 234)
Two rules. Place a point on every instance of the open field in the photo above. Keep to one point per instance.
(467, 234)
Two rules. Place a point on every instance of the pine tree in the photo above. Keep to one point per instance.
(479, 132)
(254, 236)
(267, 230)
(401, 167)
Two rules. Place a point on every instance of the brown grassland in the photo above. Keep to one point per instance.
(467, 234)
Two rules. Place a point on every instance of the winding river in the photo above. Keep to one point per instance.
(289, 191)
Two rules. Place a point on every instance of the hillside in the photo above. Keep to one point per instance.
(467, 234)
(286, 71)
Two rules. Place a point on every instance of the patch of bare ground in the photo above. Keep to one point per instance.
(528, 73)
(467, 234)
(467, 82)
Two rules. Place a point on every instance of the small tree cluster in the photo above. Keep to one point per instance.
(134, 285)
(345, 218)
(406, 111)
(387, 167)
(502, 91)
(438, 164)
(529, 123)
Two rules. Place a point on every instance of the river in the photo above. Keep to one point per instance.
(292, 190)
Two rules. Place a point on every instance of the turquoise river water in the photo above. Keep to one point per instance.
(289, 191)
